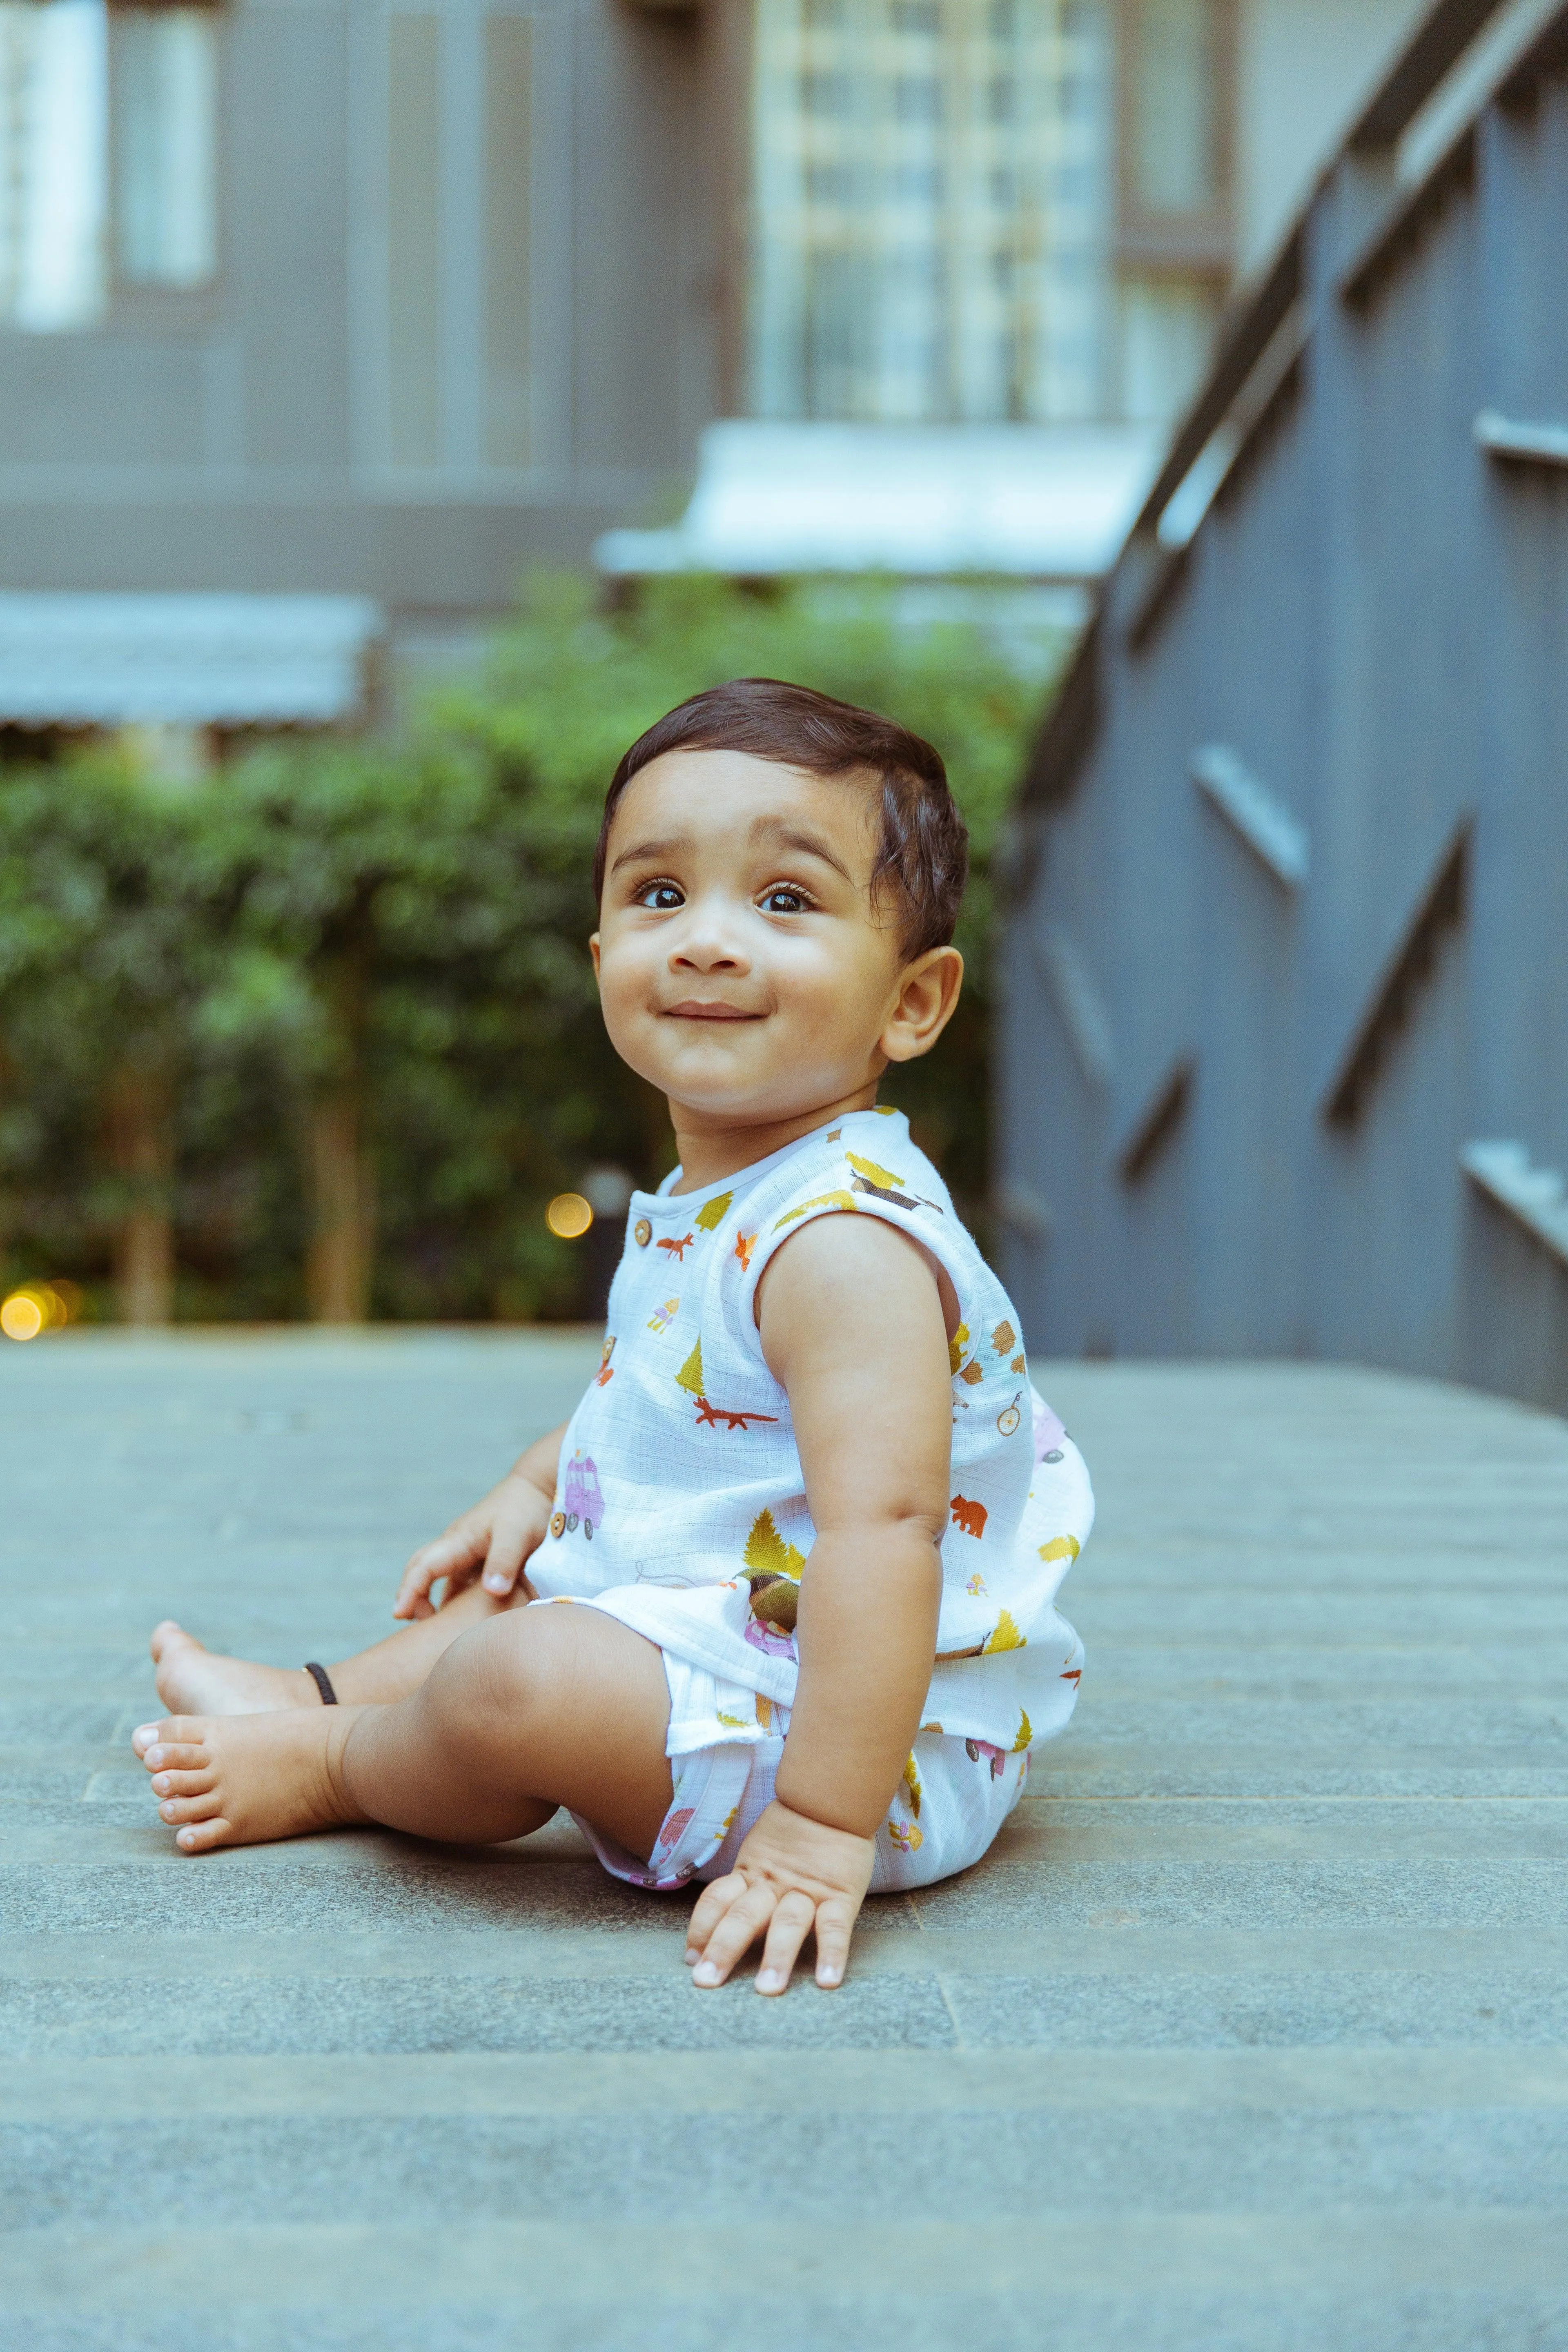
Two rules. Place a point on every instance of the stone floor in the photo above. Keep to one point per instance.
(1251, 2035)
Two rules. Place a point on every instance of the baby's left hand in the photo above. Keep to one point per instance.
(791, 1874)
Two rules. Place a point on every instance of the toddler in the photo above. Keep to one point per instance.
(775, 1610)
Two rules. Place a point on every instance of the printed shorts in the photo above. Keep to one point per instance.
(954, 1796)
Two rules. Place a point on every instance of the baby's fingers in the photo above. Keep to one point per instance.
(734, 1937)
(713, 1901)
(429, 1564)
(791, 1925)
(413, 1599)
(835, 1927)
(509, 1546)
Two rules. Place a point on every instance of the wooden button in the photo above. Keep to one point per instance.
(642, 1232)
(557, 1523)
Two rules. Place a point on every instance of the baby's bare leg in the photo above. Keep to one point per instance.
(194, 1680)
(538, 1709)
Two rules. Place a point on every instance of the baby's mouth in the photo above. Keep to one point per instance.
(693, 1008)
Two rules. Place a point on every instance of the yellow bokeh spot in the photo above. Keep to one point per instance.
(24, 1315)
(569, 1216)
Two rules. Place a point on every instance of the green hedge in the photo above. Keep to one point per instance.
(345, 986)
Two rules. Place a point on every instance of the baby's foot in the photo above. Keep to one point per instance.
(193, 1680)
(245, 1780)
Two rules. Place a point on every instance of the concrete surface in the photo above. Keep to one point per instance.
(1250, 2036)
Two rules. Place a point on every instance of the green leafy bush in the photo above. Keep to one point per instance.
(329, 1015)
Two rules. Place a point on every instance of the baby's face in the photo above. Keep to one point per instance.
(743, 966)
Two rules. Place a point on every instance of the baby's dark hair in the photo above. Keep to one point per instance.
(922, 856)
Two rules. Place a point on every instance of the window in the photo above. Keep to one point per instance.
(108, 136)
(1175, 117)
(54, 85)
(1175, 238)
(164, 84)
(988, 209)
(932, 208)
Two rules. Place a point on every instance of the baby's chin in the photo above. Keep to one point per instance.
(735, 1073)
(742, 1106)
(717, 1069)
(757, 1101)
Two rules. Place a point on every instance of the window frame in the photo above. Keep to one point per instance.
(138, 302)
(1193, 245)
(126, 305)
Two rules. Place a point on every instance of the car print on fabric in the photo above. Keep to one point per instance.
(583, 1502)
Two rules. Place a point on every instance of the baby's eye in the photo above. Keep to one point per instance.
(661, 896)
(783, 900)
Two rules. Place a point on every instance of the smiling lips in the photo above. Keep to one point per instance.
(695, 1009)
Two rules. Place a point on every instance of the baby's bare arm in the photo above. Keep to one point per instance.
(853, 1327)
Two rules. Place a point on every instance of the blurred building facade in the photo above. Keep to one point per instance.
(1286, 1025)
(388, 298)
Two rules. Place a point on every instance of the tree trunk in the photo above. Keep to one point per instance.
(140, 1145)
(343, 1210)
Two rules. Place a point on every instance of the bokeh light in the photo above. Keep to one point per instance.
(24, 1315)
(569, 1216)
(39, 1307)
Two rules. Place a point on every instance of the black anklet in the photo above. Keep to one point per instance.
(323, 1683)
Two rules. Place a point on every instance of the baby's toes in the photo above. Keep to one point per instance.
(197, 1836)
(174, 1731)
(198, 1807)
(181, 1784)
(173, 1756)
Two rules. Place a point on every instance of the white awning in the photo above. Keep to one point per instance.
(1034, 501)
(77, 660)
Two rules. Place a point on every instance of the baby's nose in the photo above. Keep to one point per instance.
(709, 947)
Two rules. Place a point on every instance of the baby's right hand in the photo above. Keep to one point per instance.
(496, 1535)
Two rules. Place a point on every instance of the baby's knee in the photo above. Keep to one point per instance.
(500, 1675)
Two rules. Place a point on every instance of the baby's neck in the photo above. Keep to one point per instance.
(712, 1148)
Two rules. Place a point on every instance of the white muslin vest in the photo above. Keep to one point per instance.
(680, 1508)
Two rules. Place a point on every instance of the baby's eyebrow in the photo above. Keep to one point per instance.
(810, 845)
(666, 847)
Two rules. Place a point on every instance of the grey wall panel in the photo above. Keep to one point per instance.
(109, 399)
(1372, 621)
(437, 555)
(509, 230)
(414, 156)
(463, 322)
(286, 229)
(636, 83)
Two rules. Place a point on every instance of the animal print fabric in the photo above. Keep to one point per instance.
(725, 1746)
(680, 1508)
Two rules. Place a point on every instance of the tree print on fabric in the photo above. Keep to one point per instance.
(773, 1570)
(885, 1185)
(822, 1201)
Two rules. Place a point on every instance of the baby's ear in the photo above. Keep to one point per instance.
(594, 952)
(928, 994)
